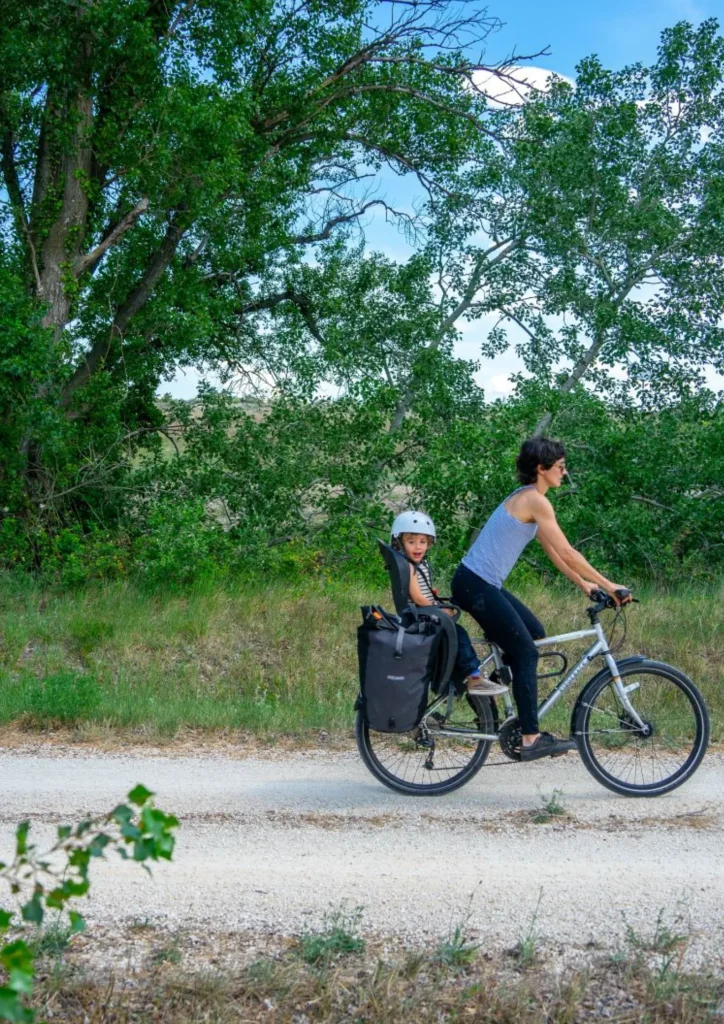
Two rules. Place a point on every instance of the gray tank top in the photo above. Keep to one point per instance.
(499, 544)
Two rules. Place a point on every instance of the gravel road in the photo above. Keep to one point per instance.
(268, 843)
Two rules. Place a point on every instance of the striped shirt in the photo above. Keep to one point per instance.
(423, 573)
(499, 545)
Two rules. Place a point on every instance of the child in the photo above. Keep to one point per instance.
(413, 533)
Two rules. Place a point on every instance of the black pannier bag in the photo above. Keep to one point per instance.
(401, 657)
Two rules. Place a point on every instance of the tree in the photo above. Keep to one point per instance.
(623, 182)
(167, 166)
(595, 224)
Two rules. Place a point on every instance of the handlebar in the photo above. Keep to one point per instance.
(604, 600)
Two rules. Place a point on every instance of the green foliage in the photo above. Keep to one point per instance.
(180, 545)
(53, 879)
(167, 170)
(185, 186)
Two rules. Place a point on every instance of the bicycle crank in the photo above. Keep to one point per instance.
(510, 739)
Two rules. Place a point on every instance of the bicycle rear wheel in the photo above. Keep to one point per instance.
(424, 762)
(650, 761)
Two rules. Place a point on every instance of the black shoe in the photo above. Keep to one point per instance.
(546, 746)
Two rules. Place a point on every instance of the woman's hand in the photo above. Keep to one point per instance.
(587, 587)
(611, 589)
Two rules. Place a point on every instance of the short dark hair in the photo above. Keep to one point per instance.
(537, 451)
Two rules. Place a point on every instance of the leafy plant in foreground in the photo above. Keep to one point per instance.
(136, 830)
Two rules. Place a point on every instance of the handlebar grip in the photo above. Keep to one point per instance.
(601, 597)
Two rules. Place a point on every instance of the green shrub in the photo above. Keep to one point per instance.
(181, 545)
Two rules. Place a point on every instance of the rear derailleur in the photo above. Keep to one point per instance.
(424, 736)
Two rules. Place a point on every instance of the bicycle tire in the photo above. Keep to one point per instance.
(675, 745)
(368, 740)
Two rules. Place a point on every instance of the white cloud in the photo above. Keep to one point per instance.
(518, 85)
(499, 386)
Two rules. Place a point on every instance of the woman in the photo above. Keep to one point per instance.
(477, 585)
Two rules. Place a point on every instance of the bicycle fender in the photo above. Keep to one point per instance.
(632, 659)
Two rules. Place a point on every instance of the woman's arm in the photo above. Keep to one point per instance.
(563, 555)
(572, 575)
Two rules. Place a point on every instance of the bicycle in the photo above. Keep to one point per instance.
(641, 727)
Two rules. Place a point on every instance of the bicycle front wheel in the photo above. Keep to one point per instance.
(650, 760)
(425, 762)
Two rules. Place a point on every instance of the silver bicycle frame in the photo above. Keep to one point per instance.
(600, 647)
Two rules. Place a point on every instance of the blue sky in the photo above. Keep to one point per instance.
(620, 32)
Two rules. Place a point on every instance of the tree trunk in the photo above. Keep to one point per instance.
(63, 242)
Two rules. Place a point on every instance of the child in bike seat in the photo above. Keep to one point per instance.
(413, 534)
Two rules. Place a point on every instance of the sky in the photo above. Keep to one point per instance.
(620, 32)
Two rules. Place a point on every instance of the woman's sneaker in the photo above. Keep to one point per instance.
(546, 746)
(482, 686)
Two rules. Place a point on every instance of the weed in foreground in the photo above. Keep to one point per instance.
(661, 954)
(53, 941)
(525, 950)
(170, 953)
(551, 807)
(338, 937)
(456, 950)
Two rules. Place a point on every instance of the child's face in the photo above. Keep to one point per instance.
(415, 545)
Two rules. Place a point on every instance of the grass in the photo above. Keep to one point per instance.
(272, 659)
(379, 983)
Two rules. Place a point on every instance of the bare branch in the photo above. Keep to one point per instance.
(391, 157)
(345, 218)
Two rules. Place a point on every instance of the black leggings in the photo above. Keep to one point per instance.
(513, 627)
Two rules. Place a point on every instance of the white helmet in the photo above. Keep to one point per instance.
(412, 522)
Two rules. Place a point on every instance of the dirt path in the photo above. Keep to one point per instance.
(269, 843)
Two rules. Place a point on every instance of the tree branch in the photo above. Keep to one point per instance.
(418, 94)
(302, 302)
(344, 218)
(481, 264)
(15, 194)
(135, 300)
(113, 236)
(655, 504)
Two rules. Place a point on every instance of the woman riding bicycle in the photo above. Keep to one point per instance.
(477, 585)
